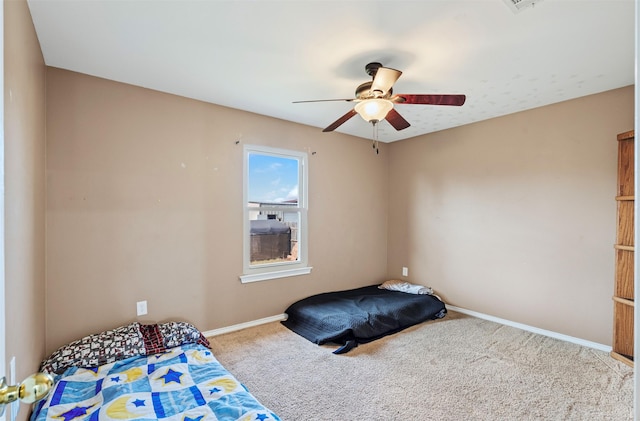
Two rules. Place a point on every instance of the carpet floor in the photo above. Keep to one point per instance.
(456, 368)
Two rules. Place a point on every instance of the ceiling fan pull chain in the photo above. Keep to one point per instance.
(375, 136)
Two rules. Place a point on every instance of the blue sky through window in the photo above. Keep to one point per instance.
(272, 179)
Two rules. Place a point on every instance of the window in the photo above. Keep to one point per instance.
(275, 213)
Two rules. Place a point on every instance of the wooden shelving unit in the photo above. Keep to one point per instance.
(623, 304)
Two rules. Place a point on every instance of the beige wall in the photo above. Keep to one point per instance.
(144, 202)
(515, 216)
(24, 102)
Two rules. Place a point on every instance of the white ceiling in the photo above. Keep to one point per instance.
(259, 56)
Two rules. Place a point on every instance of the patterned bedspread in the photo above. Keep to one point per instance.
(184, 383)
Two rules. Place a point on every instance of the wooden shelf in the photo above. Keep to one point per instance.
(623, 292)
(622, 358)
(621, 247)
(625, 198)
(625, 301)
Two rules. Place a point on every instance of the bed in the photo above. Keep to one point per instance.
(361, 315)
(144, 372)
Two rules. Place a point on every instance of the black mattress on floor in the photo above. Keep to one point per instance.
(359, 315)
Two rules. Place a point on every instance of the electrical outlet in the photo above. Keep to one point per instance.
(14, 406)
(405, 271)
(141, 308)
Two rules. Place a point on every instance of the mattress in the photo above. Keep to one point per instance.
(360, 315)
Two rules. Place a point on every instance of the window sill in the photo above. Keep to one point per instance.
(265, 276)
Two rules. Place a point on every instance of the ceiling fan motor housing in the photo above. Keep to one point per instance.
(364, 92)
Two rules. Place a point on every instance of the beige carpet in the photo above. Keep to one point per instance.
(457, 368)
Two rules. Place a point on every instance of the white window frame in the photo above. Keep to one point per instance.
(254, 273)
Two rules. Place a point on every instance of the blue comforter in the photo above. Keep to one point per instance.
(184, 383)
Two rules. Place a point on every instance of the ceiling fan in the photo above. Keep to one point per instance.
(375, 99)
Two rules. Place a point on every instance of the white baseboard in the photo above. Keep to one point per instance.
(240, 326)
(551, 334)
(532, 329)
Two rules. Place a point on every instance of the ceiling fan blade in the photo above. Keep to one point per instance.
(331, 127)
(396, 120)
(456, 100)
(325, 100)
(384, 79)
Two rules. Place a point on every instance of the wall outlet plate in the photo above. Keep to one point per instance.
(141, 308)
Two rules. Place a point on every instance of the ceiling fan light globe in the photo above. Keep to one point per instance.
(373, 109)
